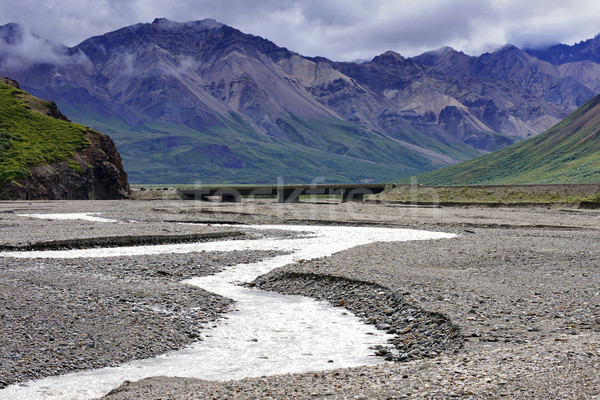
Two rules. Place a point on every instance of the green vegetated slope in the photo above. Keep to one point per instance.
(158, 152)
(569, 152)
(29, 138)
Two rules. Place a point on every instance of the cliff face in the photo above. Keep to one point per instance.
(95, 172)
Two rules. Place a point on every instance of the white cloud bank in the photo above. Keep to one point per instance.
(336, 29)
(23, 47)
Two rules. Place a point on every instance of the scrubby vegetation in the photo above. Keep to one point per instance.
(497, 194)
(29, 138)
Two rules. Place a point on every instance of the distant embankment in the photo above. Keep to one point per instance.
(588, 195)
(284, 193)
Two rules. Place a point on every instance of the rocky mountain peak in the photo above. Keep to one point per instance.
(392, 61)
(442, 57)
(586, 50)
(505, 52)
(11, 33)
(508, 57)
(195, 39)
(201, 25)
(444, 51)
(507, 48)
(388, 57)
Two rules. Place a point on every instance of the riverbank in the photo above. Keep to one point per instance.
(61, 316)
(520, 285)
(586, 195)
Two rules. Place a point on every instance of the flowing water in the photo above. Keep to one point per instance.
(83, 216)
(267, 334)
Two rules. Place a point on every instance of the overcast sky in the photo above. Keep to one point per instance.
(341, 30)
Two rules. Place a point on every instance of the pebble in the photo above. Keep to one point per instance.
(522, 280)
(62, 316)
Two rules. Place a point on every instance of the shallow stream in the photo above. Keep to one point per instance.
(267, 334)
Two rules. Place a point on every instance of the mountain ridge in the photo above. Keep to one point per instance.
(569, 152)
(204, 79)
(585, 50)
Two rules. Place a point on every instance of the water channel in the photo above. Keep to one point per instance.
(267, 334)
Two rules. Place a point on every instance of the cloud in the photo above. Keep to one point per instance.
(21, 47)
(337, 29)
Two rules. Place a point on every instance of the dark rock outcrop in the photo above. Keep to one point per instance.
(10, 82)
(95, 174)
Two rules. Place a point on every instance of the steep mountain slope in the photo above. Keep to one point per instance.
(45, 156)
(201, 101)
(569, 152)
(586, 50)
(513, 92)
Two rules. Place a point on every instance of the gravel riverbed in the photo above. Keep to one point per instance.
(526, 303)
(62, 316)
(509, 308)
(418, 333)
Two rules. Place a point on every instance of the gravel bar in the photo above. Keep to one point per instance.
(418, 333)
(521, 286)
(61, 316)
(119, 241)
(511, 306)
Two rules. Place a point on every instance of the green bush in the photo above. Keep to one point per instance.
(29, 138)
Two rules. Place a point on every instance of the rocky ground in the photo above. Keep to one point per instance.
(509, 308)
(60, 316)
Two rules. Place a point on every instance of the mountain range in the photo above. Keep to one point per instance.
(569, 152)
(203, 102)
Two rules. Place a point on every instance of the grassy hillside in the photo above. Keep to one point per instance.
(29, 138)
(158, 152)
(569, 152)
